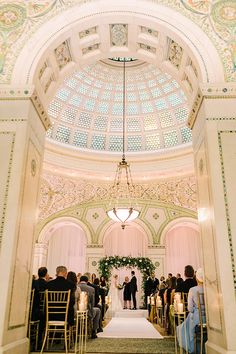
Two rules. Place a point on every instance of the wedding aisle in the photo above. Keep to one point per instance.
(133, 324)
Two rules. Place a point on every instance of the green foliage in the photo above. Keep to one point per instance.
(106, 264)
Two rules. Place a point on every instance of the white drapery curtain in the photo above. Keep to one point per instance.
(182, 248)
(128, 242)
(67, 246)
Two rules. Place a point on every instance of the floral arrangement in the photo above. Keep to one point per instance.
(106, 264)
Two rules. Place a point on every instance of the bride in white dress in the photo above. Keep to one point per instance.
(115, 304)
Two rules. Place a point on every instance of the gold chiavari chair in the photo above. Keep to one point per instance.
(57, 305)
(184, 298)
(201, 328)
(33, 325)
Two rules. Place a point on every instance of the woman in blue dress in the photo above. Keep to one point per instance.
(186, 330)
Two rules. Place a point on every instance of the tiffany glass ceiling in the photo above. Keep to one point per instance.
(86, 110)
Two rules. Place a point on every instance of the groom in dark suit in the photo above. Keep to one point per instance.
(133, 289)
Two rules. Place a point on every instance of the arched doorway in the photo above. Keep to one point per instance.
(67, 246)
(65, 243)
(182, 244)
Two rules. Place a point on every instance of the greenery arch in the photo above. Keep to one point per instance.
(144, 264)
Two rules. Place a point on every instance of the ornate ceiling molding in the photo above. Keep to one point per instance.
(58, 193)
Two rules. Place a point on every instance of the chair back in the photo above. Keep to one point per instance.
(201, 309)
(57, 305)
(31, 304)
(42, 301)
(184, 297)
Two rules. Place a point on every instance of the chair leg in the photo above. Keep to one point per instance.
(65, 335)
(44, 340)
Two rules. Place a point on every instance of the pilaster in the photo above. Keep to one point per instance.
(213, 121)
(23, 123)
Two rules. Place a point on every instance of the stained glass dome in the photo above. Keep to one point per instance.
(86, 110)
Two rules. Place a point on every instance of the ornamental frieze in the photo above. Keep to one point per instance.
(58, 193)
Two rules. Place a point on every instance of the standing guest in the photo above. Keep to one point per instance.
(62, 284)
(162, 284)
(103, 284)
(186, 331)
(127, 294)
(133, 289)
(148, 289)
(189, 281)
(155, 283)
(168, 279)
(93, 312)
(71, 277)
(93, 276)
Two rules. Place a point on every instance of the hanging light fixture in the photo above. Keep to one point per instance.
(123, 189)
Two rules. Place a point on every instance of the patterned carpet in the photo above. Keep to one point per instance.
(131, 345)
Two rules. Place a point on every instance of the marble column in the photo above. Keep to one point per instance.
(213, 123)
(40, 256)
(23, 123)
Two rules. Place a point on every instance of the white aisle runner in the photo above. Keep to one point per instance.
(129, 327)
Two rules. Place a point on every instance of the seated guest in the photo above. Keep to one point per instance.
(41, 283)
(94, 313)
(62, 284)
(178, 276)
(168, 300)
(189, 281)
(71, 277)
(186, 331)
(179, 281)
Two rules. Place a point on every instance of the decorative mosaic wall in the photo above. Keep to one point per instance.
(160, 203)
(20, 19)
(58, 193)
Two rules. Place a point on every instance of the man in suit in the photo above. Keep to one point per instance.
(133, 289)
(189, 281)
(62, 284)
(94, 313)
(41, 283)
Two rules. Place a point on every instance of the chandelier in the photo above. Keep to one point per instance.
(123, 189)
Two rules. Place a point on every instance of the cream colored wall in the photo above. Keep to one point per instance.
(214, 139)
(21, 152)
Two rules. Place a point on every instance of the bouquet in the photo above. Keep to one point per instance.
(120, 287)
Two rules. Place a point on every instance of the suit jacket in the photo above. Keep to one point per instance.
(133, 284)
(186, 285)
(91, 297)
(148, 286)
(62, 284)
(96, 292)
(40, 284)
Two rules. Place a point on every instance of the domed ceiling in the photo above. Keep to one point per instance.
(87, 108)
